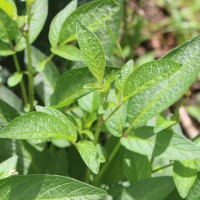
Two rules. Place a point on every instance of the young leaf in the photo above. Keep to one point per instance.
(68, 52)
(121, 81)
(89, 154)
(9, 7)
(39, 125)
(58, 21)
(39, 11)
(93, 15)
(152, 189)
(8, 167)
(184, 175)
(165, 143)
(92, 51)
(47, 187)
(14, 79)
(155, 99)
(136, 166)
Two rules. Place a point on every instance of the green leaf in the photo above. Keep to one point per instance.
(7, 113)
(165, 144)
(92, 51)
(89, 154)
(121, 81)
(8, 167)
(44, 81)
(47, 187)
(152, 189)
(10, 98)
(194, 193)
(184, 175)
(92, 15)
(136, 166)
(15, 79)
(5, 49)
(9, 29)
(58, 21)
(163, 123)
(90, 102)
(75, 79)
(39, 11)
(39, 125)
(68, 52)
(9, 7)
(157, 98)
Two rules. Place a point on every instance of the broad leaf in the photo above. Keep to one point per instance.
(92, 15)
(8, 167)
(184, 175)
(155, 99)
(10, 98)
(89, 154)
(9, 7)
(57, 23)
(121, 81)
(166, 143)
(152, 189)
(92, 51)
(7, 113)
(68, 52)
(195, 192)
(136, 166)
(39, 125)
(47, 187)
(39, 11)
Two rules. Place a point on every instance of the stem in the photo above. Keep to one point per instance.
(163, 167)
(106, 165)
(30, 67)
(22, 85)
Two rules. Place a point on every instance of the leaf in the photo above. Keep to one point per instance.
(136, 167)
(184, 175)
(93, 15)
(8, 32)
(163, 123)
(120, 82)
(45, 80)
(8, 167)
(10, 98)
(156, 188)
(89, 154)
(68, 52)
(75, 79)
(39, 125)
(47, 187)
(7, 113)
(5, 49)
(58, 21)
(92, 51)
(9, 7)
(39, 11)
(157, 98)
(15, 79)
(194, 192)
(165, 144)
(90, 102)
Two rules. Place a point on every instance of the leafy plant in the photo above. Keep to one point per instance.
(97, 130)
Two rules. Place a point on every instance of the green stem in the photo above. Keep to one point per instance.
(22, 85)
(106, 165)
(163, 167)
(30, 67)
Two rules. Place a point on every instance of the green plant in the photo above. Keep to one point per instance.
(94, 123)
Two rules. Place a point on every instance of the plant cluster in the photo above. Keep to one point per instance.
(96, 131)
